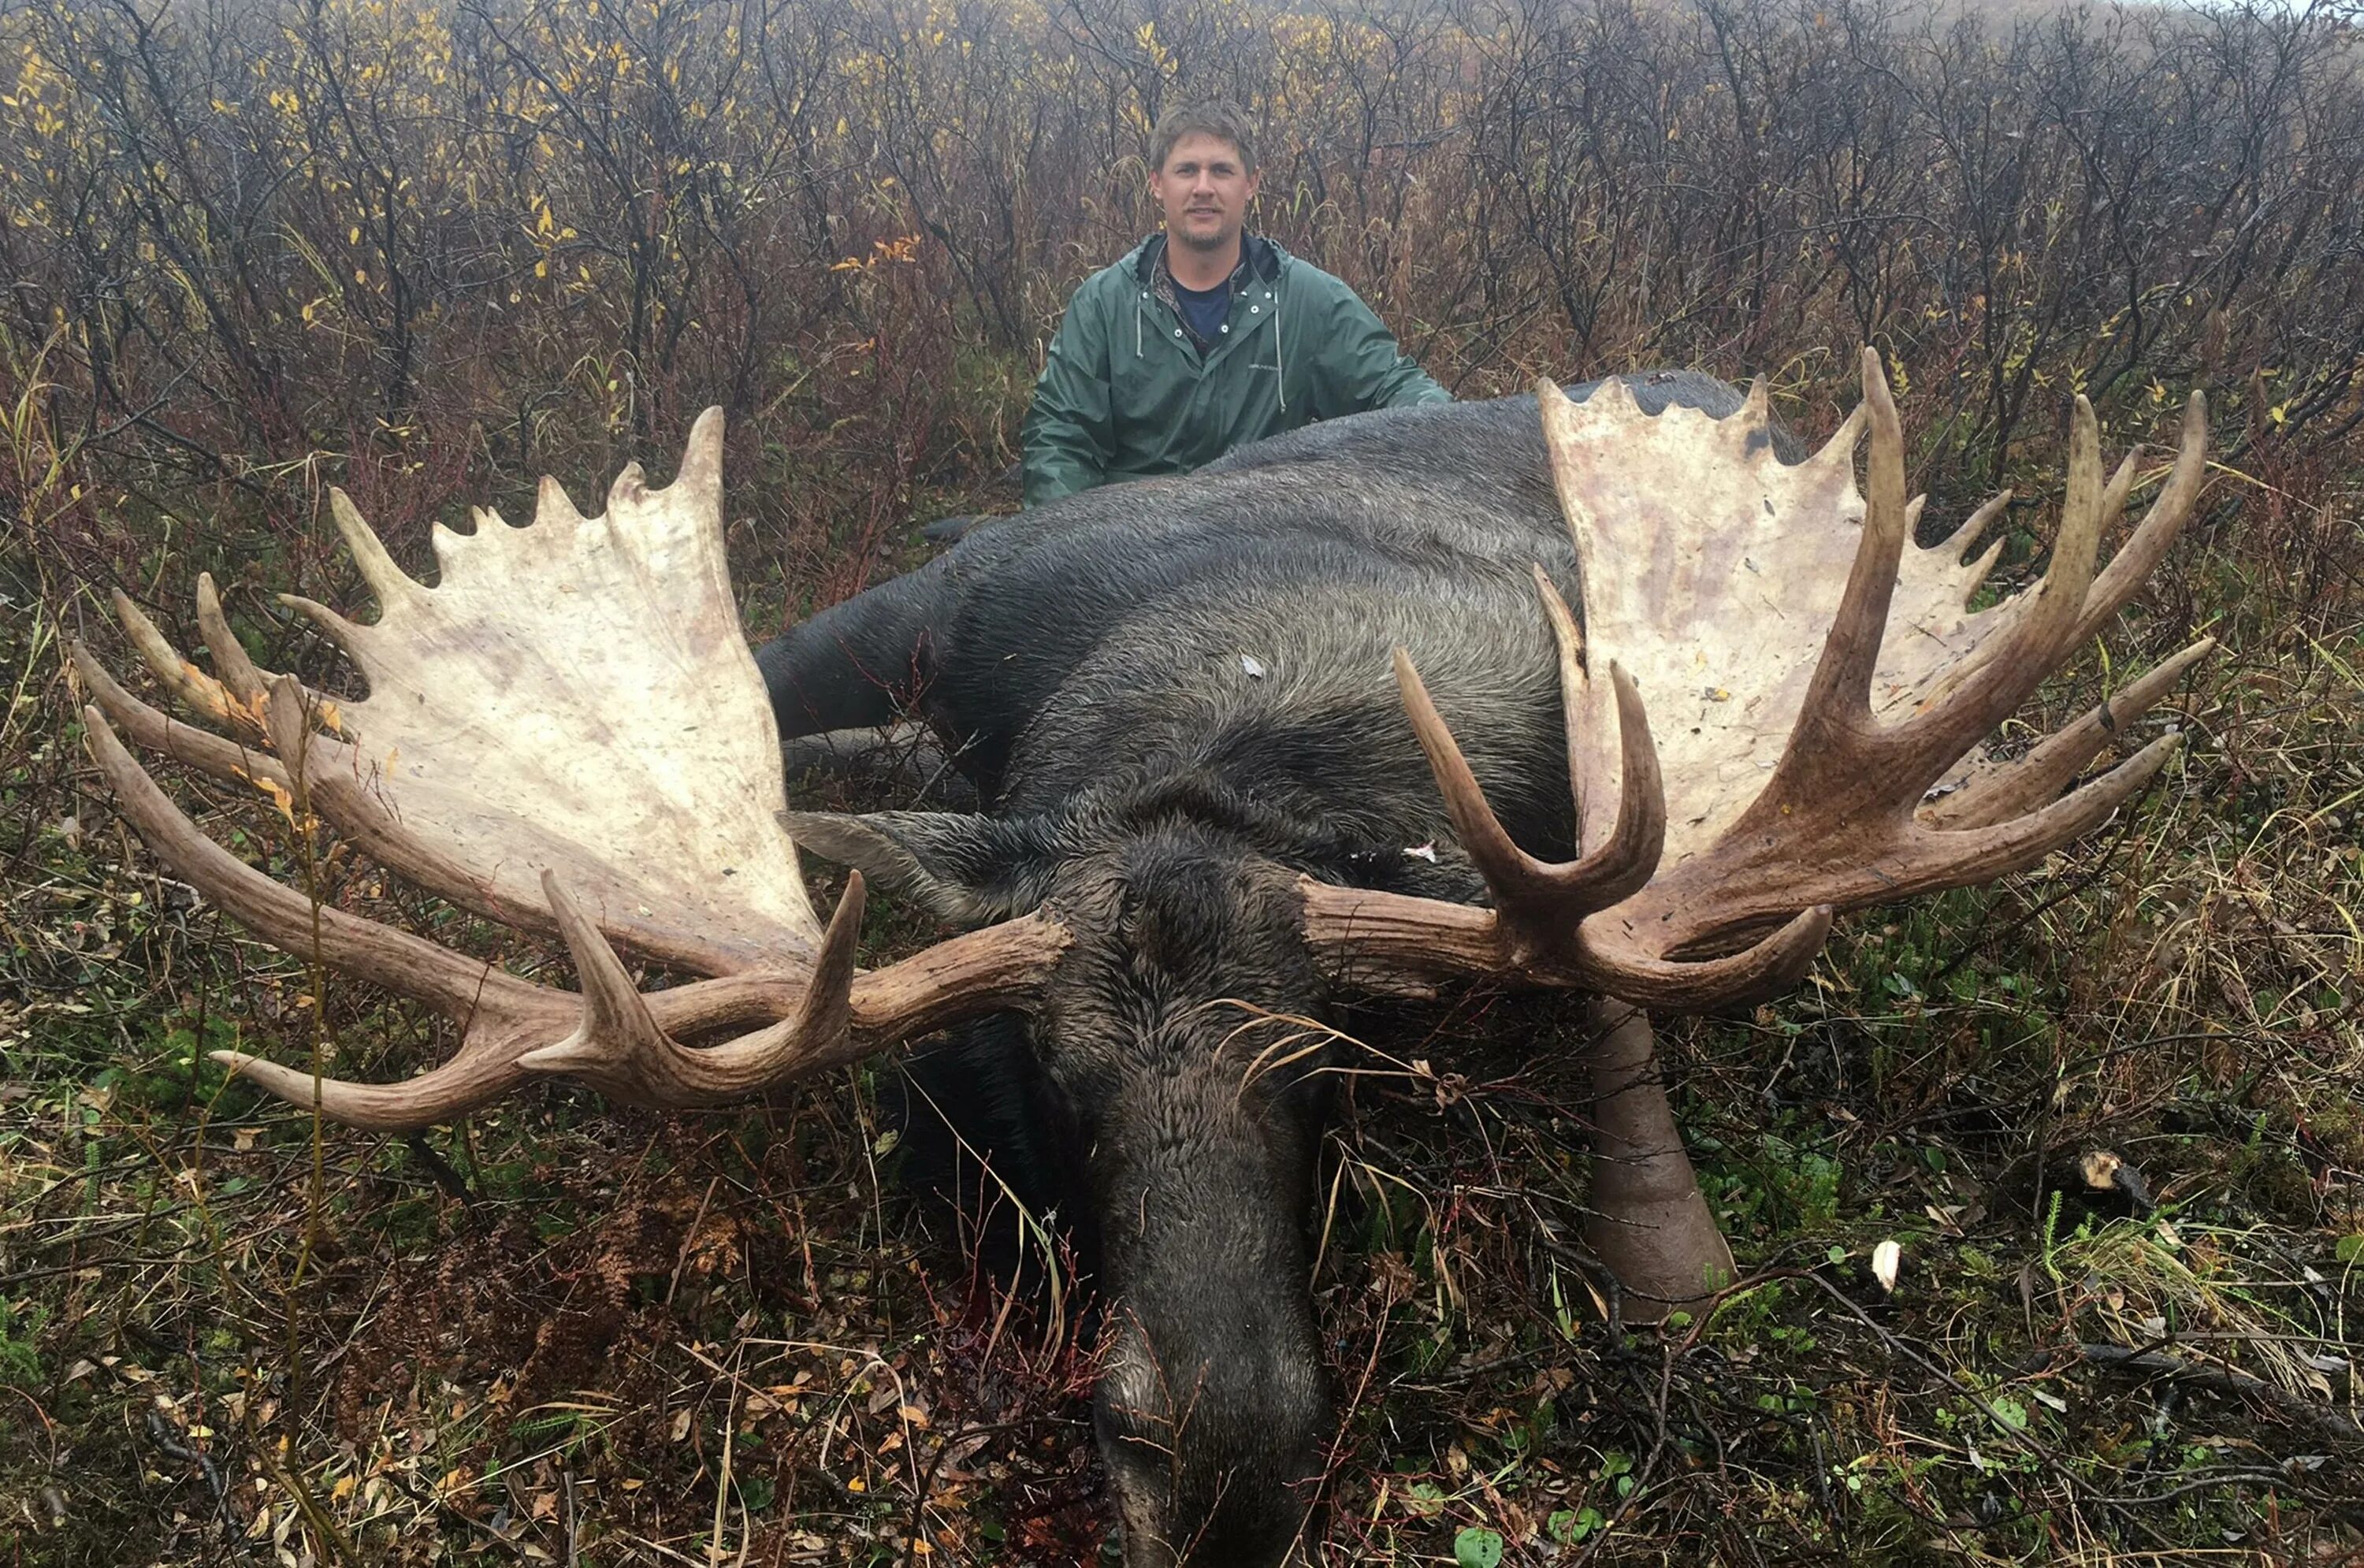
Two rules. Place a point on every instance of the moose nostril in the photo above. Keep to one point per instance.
(1216, 1492)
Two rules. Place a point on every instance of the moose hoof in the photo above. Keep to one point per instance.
(1655, 1235)
(1649, 1223)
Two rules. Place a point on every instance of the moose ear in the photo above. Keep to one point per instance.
(969, 870)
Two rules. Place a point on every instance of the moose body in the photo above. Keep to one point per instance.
(1176, 696)
(1207, 819)
(1055, 647)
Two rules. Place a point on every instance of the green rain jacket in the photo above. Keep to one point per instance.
(1124, 392)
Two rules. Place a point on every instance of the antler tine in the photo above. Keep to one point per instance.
(1835, 744)
(1975, 572)
(1966, 533)
(1542, 900)
(184, 680)
(825, 1017)
(1956, 858)
(389, 582)
(619, 1048)
(1480, 831)
(237, 673)
(2037, 637)
(2011, 789)
(348, 635)
(2158, 527)
(406, 965)
(1618, 964)
(1624, 846)
(303, 751)
(396, 590)
(2120, 486)
(483, 1070)
(1837, 707)
(1625, 860)
(200, 748)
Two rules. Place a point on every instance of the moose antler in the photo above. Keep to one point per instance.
(1813, 683)
(566, 735)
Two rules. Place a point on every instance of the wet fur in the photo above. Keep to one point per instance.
(1177, 697)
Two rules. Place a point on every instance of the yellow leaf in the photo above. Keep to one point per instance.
(279, 796)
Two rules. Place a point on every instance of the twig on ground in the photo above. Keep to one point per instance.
(2225, 1380)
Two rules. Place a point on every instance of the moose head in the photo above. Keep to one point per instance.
(568, 735)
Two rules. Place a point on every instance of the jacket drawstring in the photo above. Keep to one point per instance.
(1279, 365)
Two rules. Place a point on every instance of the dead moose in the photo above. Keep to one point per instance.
(1180, 698)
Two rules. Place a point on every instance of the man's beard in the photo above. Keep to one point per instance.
(1218, 240)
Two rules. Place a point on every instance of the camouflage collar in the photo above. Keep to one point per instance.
(1259, 257)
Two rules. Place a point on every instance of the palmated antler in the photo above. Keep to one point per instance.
(1813, 683)
(566, 735)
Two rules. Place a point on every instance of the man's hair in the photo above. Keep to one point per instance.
(1216, 117)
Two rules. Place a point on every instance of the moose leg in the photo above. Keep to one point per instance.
(842, 684)
(857, 666)
(1649, 1222)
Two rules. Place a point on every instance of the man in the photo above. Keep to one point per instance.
(1206, 336)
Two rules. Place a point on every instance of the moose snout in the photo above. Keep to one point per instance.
(1214, 1458)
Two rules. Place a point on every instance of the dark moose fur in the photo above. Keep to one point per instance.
(1176, 697)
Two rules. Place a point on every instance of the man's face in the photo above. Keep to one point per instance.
(1205, 189)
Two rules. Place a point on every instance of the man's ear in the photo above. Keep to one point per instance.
(967, 869)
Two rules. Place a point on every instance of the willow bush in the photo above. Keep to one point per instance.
(426, 251)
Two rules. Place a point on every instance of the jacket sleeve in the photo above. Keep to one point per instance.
(1068, 434)
(1360, 366)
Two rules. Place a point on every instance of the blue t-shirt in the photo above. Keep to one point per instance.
(1204, 309)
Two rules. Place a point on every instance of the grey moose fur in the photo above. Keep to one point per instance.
(1176, 697)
